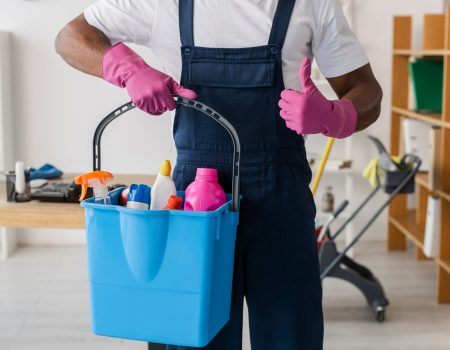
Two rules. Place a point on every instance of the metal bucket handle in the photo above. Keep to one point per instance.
(188, 103)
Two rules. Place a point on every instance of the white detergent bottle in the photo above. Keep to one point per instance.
(163, 188)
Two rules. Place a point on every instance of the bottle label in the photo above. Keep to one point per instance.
(137, 205)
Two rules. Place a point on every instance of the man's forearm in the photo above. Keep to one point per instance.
(82, 46)
(366, 98)
(362, 88)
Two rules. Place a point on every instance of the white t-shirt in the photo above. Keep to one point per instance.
(318, 29)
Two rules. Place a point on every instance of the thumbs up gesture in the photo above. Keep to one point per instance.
(309, 112)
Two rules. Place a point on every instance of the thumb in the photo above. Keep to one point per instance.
(178, 90)
(305, 75)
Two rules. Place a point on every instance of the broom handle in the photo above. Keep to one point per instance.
(323, 162)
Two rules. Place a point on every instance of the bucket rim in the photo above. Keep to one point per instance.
(224, 209)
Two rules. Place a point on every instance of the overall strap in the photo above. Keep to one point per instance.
(281, 22)
(186, 18)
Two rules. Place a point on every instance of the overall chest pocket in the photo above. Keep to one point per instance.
(244, 91)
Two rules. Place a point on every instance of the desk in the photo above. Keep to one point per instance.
(35, 214)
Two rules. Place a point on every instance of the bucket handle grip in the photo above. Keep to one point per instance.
(191, 104)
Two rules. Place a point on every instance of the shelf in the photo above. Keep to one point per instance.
(422, 53)
(344, 171)
(432, 118)
(444, 195)
(422, 180)
(406, 223)
(445, 264)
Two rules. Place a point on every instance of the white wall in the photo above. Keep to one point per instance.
(56, 109)
(6, 139)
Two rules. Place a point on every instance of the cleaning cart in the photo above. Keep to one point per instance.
(391, 177)
(157, 275)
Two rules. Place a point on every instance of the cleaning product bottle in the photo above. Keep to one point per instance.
(20, 177)
(22, 184)
(174, 203)
(98, 181)
(163, 188)
(123, 198)
(139, 197)
(205, 193)
(328, 200)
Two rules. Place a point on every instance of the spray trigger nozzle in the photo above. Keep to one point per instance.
(97, 180)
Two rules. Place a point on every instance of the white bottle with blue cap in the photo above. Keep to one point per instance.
(139, 197)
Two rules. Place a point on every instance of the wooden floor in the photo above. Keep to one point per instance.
(44, 305)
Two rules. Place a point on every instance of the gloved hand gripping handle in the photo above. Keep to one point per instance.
(188, 103)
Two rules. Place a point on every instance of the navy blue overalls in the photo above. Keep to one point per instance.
(276, 263)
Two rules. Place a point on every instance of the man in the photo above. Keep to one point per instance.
(241, 57)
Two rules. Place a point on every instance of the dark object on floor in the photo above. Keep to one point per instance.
(337, 264)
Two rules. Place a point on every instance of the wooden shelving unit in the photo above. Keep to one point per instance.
(445, 265)
(421, 53)
(432, 118)
(406, 224)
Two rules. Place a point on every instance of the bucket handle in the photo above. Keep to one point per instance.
(191, 104)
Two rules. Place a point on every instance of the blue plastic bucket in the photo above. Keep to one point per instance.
(157, 275)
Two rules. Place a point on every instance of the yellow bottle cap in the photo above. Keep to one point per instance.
(165, 168)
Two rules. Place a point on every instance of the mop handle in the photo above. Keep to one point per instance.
(323, 162)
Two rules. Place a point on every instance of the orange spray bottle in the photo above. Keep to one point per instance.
(98, 181)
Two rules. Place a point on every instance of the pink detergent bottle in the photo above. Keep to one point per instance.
(205, 193)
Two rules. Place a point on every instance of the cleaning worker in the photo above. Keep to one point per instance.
(242, 57)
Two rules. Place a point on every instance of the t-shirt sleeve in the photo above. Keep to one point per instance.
(123, 20)
(334, 45)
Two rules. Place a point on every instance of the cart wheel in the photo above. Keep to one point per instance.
(379, 314)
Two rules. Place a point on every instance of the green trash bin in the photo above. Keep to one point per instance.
(427, 80)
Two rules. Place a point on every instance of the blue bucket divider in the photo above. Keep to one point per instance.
(144, 242)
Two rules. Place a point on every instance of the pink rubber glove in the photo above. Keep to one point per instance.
(309, 112)
(149, 89)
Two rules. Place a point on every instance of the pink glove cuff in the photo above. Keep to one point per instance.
(120, 63)
(341, 121)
